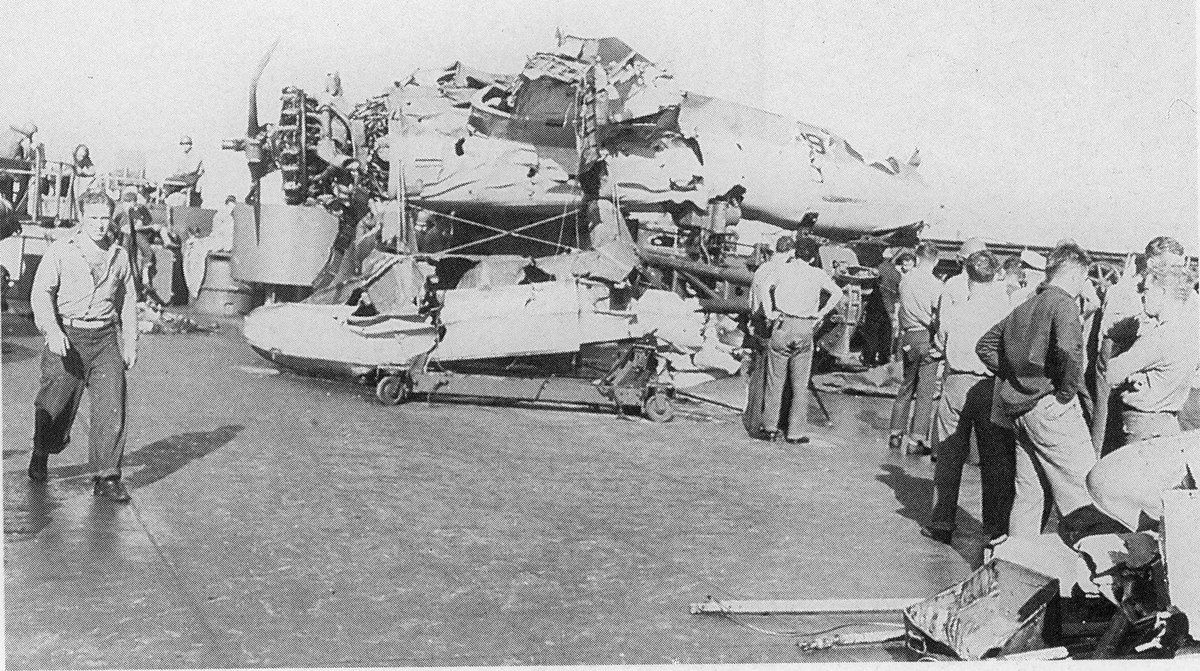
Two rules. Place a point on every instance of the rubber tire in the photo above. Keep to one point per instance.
(658, 407)
(391, 390)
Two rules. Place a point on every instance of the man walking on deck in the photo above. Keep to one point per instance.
(83, 292)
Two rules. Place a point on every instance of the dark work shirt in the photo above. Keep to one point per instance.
(889, 284)
(1036, 350)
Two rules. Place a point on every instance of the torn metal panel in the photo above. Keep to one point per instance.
(671, 318)
(487, 172)
(396, 283)
(494, 271)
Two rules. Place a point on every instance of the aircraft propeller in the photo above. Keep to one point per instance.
(256, 144)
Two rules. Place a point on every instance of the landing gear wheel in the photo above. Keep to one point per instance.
(391, 390)
(658, 407)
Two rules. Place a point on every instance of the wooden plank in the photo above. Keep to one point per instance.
(803, 606)
(1044, 653)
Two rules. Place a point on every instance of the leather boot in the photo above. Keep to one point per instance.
(38, 468)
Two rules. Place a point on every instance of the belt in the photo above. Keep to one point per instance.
(784, 314)
(92, 324)
(914, 329)
(1172, 413)
(970, 373)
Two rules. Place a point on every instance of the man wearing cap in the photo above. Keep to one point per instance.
(1034, 267)
(187, 170)
(83, 293)
(1013, 272)
(955, 288)
(796, 307)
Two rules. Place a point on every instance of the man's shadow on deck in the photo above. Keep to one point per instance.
(28, 506)
(162, 457)
(915, 495)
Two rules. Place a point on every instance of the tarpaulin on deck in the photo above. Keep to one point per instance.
(879, 381)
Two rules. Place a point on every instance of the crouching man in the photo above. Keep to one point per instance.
(83, 293)
(1155, 376)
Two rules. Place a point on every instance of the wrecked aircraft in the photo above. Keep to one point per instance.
(590, 119)
(590, 166)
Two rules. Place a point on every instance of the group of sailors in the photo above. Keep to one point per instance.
(1073, 396)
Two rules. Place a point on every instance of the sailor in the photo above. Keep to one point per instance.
(1014, 278)
(797, 305)
(966, 406)
(1034, 267)
(1121, 319)
(881, 312)
(187, 169)
(1037, 355)
(196, 249)
(759, 332)
(135, 229)
(920, 293)
(1154, 376)
(83, 293)
(16, 142)
(955, 289)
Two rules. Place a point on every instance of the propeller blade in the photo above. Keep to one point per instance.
(252, 127)
(258, 170)
(257, 211)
